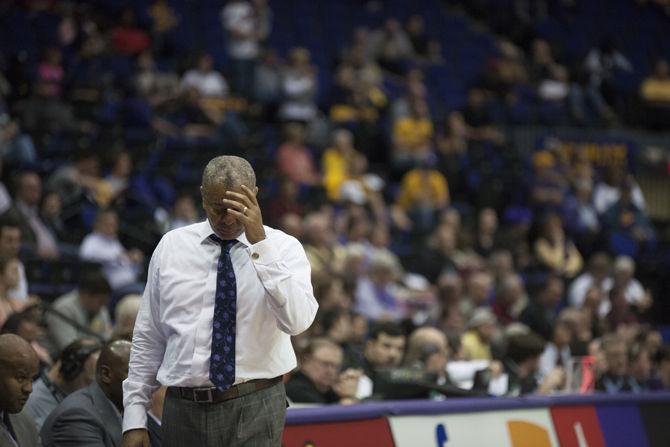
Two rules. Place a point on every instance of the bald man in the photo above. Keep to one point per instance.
(223, 298)
(92, 415)
(18, 366)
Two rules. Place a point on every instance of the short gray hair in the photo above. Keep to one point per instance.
(230, 171)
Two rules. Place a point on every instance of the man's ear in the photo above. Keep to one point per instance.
(256, 191)
(105, 374)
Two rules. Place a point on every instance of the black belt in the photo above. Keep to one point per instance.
(215, 395)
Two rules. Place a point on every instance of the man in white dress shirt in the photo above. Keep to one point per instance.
(266, 279)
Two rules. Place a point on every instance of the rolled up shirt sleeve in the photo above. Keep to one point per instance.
(284, 270)
(147, 353)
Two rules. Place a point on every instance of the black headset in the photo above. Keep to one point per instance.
(72, 360)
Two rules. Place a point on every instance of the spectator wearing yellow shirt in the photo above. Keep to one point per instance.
(412, 135)
(424, 192)
(554, 251)
(476, 342)
(655, 92)
(336, 162)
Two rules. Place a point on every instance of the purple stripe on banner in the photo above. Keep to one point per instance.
(423, 407)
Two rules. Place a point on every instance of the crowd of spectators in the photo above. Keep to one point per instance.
(444, 263)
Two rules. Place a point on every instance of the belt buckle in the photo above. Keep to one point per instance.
(203, 395)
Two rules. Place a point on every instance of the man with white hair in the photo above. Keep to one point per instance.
(624, 276)
(126, 313)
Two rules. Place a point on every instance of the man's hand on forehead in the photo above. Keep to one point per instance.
(244, 206)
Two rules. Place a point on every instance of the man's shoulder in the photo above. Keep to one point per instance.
(279, 236)
(24, 428)
(78, 401)
(67, 301)
(183, 236)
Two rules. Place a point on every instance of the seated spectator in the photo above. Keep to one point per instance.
(127, 37)
(608, 191)
(602, 63)
(581, 218)
(16, 146)
(9, 277)
(597, 275)
(540, 313)
(205, 79)
(159, 86)
(74, 370)
(287, 201)
(336, 162)
(26, 325)
(554, 251)
(299, 87)
(479, 120)
(412, 135)
(18, 365)
(557, 351)
(81, 313)
(476, 342)
(520, 363)
(267, 81)
(624, 277)
(615, 378)
(417, 35)
(391, 47)
(51, 213)
(378, 294)
(655, 92)
(120, 266)
(119, 174)
(50, 73)
(640, 367)
(548, 187)
(246, 25)
(10, 245)
(93, 413)
(294, 159)
(628, 226)
(35, 235)
(125, 314)
(479, 292)
(384, 348)
(325, 254)
(486, 238)
(319, 379)
(439, 255)
(621, 312)
(509, 295)
(183, 213)
(336, 327)
(428, 349)
(423, 194)
(78, 182)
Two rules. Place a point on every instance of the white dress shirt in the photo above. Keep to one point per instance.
(119, 270)
(173, 332)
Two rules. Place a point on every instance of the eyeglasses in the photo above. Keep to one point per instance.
(327, 364)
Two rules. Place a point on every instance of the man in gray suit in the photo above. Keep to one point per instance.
(81, 313)
(18, 366)
(92, 415)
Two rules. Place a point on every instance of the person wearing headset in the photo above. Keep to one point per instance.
(74, 370)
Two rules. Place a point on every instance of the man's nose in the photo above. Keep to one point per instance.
(228, 219)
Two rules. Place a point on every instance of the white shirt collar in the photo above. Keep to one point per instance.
(206, 230)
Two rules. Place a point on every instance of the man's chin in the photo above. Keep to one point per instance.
(231, 233)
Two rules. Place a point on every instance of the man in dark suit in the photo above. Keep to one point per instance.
(18, 366)
(92, 415)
